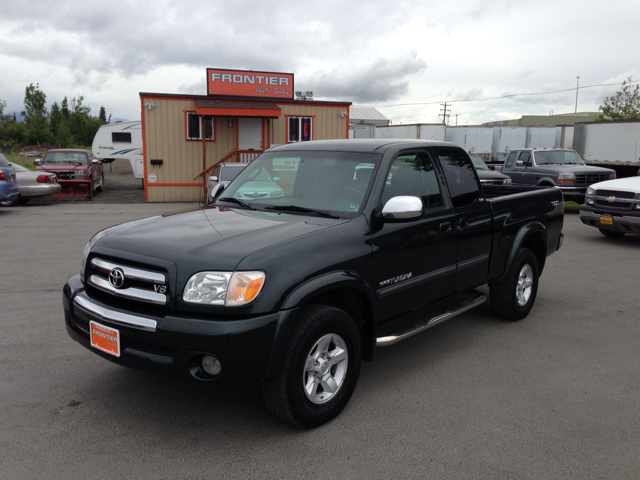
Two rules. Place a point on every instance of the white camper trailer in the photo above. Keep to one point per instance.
(121, 140)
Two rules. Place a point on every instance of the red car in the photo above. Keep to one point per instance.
(78, 171)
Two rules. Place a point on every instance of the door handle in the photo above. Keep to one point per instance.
(445, 227)
(463, 223)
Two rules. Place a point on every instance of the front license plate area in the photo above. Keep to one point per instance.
(605, 220)
(105, 339)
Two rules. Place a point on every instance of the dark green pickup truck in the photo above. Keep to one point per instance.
(316, 254)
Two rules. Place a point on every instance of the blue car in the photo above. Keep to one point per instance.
(8, 183)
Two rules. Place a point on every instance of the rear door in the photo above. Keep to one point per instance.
(414, 262)
(472, 218)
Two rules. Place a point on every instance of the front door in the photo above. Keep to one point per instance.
(414, 262)
(249, 134)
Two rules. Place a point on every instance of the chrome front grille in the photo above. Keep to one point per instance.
(128, 282)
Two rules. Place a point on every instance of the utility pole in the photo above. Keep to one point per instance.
(577, 84)
(444, 113)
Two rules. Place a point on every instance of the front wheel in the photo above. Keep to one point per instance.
(10, 203)
(320, 369)
(610, 233)
(99, 187)
(513, 297)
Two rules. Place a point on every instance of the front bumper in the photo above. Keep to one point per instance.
(174, 345)
(620, 223)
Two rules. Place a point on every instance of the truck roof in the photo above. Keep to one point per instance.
(363, 145)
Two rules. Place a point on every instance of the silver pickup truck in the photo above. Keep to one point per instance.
(559, 167)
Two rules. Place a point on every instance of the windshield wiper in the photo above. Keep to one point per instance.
(295, 208)
(239, 202)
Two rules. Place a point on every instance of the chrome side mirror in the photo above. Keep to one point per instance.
(213, 178)
(402, 209)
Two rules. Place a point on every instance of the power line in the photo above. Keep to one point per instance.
(505, 96)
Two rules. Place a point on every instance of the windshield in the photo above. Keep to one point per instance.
(478, 162)
(65, 157)
(558, 157)
(334, 182)
(229, 173)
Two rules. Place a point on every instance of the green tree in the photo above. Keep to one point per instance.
(34, 103)
(625, 104)
(63, 138)
(64, 108)
(55, 117)
(103, 114)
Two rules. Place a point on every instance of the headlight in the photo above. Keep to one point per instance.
(612, 176)
(80, 175)
(566, 177)
(507, 181)
(591, 191)
(223, 288)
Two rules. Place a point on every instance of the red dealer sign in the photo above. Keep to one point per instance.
(243, 83)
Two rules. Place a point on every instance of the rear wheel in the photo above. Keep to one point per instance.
(610, 233)
(320, 369)
(513, 297)
(9, 203)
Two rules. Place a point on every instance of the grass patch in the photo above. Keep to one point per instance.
(571, 204)
(26, 162)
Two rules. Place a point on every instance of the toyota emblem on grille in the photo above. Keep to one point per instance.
(116, 277)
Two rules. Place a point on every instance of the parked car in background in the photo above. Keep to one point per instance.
(78, 171)
(220, 177)
(488, 176)
(35, 184)
(8, 183)
(560, 167)
(613, 207)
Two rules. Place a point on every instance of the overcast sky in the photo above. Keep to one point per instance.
(404, 58)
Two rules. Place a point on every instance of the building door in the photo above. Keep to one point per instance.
(249, 134)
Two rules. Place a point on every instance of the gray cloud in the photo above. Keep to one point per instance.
(379, 80)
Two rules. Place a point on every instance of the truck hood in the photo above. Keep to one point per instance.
(630, 184)
(211, 238)
(575, 169)
(60, 167)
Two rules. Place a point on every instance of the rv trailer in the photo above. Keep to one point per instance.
(120, 140)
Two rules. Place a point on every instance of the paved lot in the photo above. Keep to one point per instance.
(554, 396)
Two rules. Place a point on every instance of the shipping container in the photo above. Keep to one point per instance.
(422, 131)
(506, 139)
(564, 136)
(541, 137)
(611, 144)
(474, 139)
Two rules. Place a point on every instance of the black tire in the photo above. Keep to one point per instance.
(99, 188)
(9, 203)
(286, 395)
(610, 233)
(513, 297)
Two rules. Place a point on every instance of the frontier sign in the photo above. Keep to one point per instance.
(243, 83)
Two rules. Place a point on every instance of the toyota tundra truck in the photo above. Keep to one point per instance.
(314, 256)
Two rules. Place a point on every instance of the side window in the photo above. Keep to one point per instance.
(216, 172)
(300, 129)
(194, 125)
(460, 176)
(121, 137)
(525, 158)
(509, 162)
(413, 174)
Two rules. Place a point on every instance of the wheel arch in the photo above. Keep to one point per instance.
(532, 236)
(344, 290)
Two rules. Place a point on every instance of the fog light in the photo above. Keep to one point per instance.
(211, 365)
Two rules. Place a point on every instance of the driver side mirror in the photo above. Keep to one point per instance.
(403, 208)
(37, 161)
(213, 178)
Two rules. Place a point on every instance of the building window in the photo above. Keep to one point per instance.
(121, 137)
(300, 129)
(195, 125)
